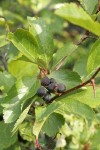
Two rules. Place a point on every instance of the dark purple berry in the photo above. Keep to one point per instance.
(45, 81)
(60, 88)
(47, 97)
(51, 87)
(52, 80)
(41, 91)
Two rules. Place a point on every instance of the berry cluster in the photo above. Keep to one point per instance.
(49, 86)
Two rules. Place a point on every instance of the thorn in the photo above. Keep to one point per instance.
(94, 87)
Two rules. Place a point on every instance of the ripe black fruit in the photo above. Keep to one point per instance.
(47, 97)
(52, 80)
(41, 91)
(60, 88)
(51, 87)
(45, 81)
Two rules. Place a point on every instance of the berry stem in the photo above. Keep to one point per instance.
(78, 86)
(43, 72)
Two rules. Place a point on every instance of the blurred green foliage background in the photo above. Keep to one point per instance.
(13, 15)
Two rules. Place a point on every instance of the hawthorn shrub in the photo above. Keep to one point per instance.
(50, 96)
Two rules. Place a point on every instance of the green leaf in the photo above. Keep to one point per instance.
(42, 114)
(62, 54)
(81, 66)
(20, 68)
(64, 107)
(14, 147)
(25, 130)
(53, 124)
(86, 96)
(90, 6)
(6, 81)
(37, 127)
(75, 107)
(45, 112)
(21, 119)
(22, 91)
(95, 140)
(6, 139)
(94, 57)
(68, 78)
(11, 113)
(44, 38)
(26, 43)
(3, 40)
(76, 15)
(13, 53)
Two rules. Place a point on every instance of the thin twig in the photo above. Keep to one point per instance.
(78, 86)
(84, 37)
(60, 63)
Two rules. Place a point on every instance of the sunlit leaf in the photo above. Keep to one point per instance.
(44, 38)
(76, 15)
(20, 68)
(25, 43)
